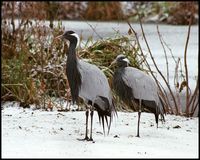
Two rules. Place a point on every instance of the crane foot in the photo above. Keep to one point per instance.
(90, 139)
(84, 139)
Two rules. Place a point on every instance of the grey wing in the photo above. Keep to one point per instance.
(143, 86)
(94, 82)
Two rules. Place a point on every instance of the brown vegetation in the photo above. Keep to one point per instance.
(103, 11)
(167, 12)
(181, 12)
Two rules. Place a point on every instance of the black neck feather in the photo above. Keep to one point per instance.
(73, 74)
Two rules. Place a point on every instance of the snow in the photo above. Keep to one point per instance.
(28, 133)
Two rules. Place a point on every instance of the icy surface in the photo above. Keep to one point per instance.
(28, 133)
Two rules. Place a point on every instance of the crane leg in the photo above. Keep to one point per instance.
(139, 113)
(156, 117)
(86, 129)
(91, 115)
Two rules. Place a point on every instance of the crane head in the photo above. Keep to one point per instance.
(71, 36)
(121, 60)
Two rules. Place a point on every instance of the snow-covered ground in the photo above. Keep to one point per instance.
(28, 133)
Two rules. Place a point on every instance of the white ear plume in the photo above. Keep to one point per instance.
(126, 60)
(78, 39)
(120, 56)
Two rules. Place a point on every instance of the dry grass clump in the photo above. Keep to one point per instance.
(28, 56)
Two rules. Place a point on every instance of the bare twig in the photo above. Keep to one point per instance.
(186, 70)
(176, 85)
(160, 37)
(169, 50)
(92, 28)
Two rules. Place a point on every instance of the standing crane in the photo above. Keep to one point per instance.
(88, 82)
(136, 89)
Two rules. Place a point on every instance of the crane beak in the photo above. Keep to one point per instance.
(113, 62)
(59, 37)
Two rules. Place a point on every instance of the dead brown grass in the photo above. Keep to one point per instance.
(103, 11)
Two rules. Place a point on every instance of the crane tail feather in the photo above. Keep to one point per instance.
(109, 125)
(102, 118)
(106, 120)
(104, 110)
(99, 117)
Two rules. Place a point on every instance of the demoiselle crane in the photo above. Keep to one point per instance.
(137, 89)
(88, 82)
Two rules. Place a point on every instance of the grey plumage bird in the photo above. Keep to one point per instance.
(136, 89)
(88, 82)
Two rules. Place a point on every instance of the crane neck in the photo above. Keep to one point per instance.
(71, 56)
(122, 64)
(73, 74)
(121, 67)
(72, 49)
(119, 71)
